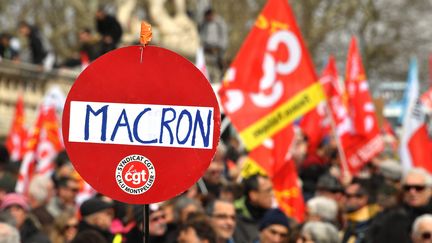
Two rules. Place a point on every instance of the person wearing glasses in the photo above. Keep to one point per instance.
(67, 189)
(422, 229)
(395, 224)
(222, 219)
(359, 213)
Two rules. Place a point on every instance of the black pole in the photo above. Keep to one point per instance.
(146, 215)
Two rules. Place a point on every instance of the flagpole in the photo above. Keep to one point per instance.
(345, 171)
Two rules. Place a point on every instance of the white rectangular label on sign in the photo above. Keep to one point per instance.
(141, 124)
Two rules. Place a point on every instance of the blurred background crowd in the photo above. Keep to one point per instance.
(234, 202)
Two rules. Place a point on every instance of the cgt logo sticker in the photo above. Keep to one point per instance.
(135, 174)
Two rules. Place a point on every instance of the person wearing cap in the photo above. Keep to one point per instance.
(274, 227)
(97, 216)
(29, 229)
(330, 187)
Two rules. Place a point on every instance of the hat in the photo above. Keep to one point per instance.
(391, 169)
(328, 182)
(94, 205)
(11, 199)
(274, 216)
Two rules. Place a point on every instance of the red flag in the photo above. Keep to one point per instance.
(274, 157)
(363, 140)
(272, 81)
(41, 149)
(315, 126)
(15, 141)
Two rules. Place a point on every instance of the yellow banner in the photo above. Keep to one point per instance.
(283, 115)
(250, 168)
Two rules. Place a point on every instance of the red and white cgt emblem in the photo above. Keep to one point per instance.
(135, 174)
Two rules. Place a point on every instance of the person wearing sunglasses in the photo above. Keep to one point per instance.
(394, 225)
(422, 229)
(359, 212)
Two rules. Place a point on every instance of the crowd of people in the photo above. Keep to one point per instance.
(30, 45)
(380, 204)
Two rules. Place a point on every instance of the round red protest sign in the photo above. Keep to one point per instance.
(141, 125)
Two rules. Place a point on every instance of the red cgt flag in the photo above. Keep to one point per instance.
(42, 147)
(362, 140)
(16, 138)
(272, 81)
(274, 157)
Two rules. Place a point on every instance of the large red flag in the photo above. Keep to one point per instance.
(364, 140)
(15, 140)
(42, 147)
(271, 83)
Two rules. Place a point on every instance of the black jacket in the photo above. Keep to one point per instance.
(84, 227)
(394, 225)
(29, 233)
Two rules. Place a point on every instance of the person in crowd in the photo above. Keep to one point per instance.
(40, 192)
(359, 213)
(89, 50)
(213, 179)
(63, 167)
(329, 186)
(34, 40)
(97, 216)
(65, 198)
(250, 209)
(157, 224)
(318, 232)
(197, 229)
(394, 225)
(9, 234)
(422, 229)
(222, 219)
(110, 30)
(322, 209)
(29, 228)
(274, 227)
(89, 236)
(185, 206)
(65, 228)
(214, 38)
(7, 51)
